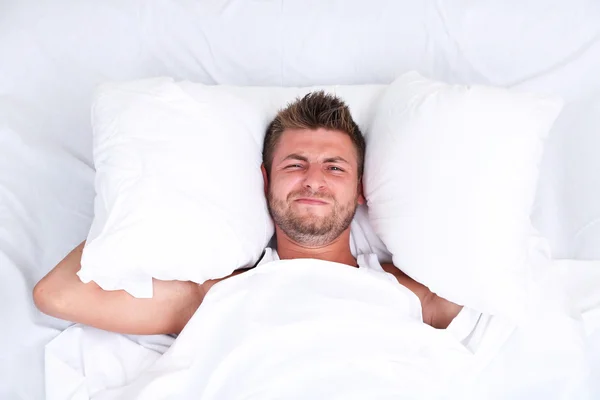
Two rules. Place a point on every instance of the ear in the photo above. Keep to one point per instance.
(265, 178)
(361, 198)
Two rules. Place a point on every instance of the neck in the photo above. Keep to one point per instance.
(336, 251)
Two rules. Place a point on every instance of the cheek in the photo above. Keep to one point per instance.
(282, 186)
(345, 192)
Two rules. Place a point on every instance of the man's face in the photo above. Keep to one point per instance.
(313, 190)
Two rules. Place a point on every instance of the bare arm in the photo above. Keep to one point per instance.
(437, 311)
(61, 294)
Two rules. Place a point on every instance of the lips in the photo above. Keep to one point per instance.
(311, 201)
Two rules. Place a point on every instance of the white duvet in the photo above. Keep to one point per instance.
(309, 329)
(304, 329)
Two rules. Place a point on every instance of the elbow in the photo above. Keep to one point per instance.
(47, 298)
(39, 295)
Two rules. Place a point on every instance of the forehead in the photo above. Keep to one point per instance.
(315, 143)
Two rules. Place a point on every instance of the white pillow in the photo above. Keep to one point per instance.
(450, 177)
(179, 192)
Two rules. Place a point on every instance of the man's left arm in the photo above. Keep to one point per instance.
(437, 311)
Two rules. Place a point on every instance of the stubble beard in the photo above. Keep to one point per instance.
(310, 229)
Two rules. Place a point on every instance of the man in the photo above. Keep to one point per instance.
(313, 156)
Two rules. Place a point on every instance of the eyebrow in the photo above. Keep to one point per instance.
(296, 156)
(335, 160)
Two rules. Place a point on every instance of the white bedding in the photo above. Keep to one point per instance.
(303, 329)
(54, 53)
(312, 329)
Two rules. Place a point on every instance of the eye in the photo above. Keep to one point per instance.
(293, 166)
(335, 168)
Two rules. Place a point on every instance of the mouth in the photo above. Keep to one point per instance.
(311, 201)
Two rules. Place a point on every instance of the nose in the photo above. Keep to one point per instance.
(314, 178)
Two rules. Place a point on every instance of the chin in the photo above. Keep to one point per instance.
(312, 217)
(314, 208)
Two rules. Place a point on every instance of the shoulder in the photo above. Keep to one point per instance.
(392, 269)
(420, 290)
(402, 278)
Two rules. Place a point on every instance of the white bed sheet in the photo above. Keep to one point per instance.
(47, 75)
(45, 211)
(581, 279)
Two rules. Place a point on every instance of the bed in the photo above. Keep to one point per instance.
(54, 55)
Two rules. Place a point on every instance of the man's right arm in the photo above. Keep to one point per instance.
(61, 294)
